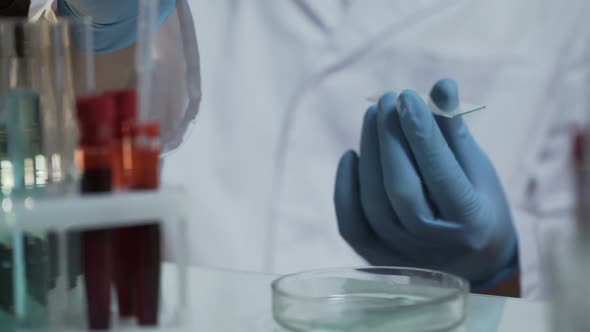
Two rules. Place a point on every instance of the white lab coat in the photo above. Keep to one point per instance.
(284, 86)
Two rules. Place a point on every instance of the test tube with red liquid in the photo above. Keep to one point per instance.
(136, 248)
(96, 118)
(124, 249)
(146, 170)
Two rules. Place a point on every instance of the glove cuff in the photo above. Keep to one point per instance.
(117, 35)
(501, 276)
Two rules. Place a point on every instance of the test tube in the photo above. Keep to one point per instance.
(126, 117)
(22, 165)
(7, 252)
(67, 69)
(137, 248)
(146, 169)
(96, 116)
(72, 55)
(146, 34)
(461, 109)
(146, 154)
(30, 249)
(124, 246)
(63, 44)
(39, 59)
(25, 139)
(50, 49)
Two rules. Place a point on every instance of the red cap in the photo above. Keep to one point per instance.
(126, 105)
(96, 115)
(95, 109)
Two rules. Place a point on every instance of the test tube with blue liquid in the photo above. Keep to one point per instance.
(7, 319)
(38, 138)
(24, 254)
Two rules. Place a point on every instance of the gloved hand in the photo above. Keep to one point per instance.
(114, 21)
(423, 194)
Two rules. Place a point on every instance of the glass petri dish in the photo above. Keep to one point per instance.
(371, 299)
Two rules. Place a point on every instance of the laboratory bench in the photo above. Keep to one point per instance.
(223, 300)
(208, 299)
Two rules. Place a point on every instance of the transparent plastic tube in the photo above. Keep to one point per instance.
(64, 53)
(146, 33)
(38, 138)
(41, 57)
(22, 171)
(462, 108)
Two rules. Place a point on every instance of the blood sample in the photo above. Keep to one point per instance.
(124, 249)
(96, 115)
(146, 169)
(126, 117)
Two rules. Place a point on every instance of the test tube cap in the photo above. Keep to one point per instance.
(96, 115)
(126, 104)
(96, 109)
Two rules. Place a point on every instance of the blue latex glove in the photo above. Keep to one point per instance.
(423, 194)
(114, 22)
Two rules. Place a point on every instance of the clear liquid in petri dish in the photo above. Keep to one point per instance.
(389, 300)
(374, 312)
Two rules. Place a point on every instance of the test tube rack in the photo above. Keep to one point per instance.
(60, 215)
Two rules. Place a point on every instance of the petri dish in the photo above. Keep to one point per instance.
(371, 299)
(462, 108)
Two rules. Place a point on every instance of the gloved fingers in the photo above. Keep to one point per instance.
(352, 223)
(405, 190)
(373, 198)
(445, 94)
(396, 248)
(473, 161)
(451, 191)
